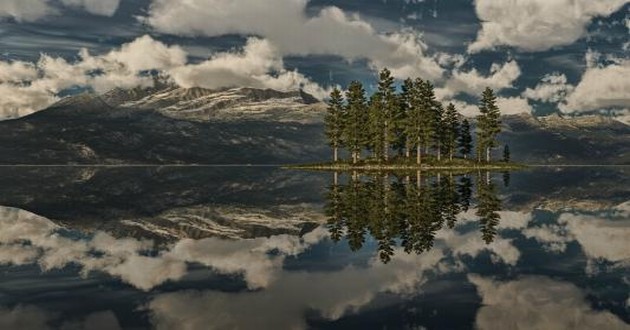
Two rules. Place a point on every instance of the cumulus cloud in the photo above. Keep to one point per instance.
(25, 10)
(601, 87)
(30, 317)
(332, 294)
(536, 302)
(29, 87)
(536, 25)
(507, 106)
(33, 10)
(96, 7)
(286, 24)
(473, 82)
(258, 65)
(26, 238)
(553, 88)
(602, 238)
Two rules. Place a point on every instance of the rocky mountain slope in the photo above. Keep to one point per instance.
(169, 125)
(557, 140)
(169, 203)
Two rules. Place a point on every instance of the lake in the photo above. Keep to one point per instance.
(267, 248)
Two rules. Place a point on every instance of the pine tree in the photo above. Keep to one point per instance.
(404, 117)
(465, 139)
(389, 101)
(506, 154)
(427, 114)
(334, 122)
(451, 130)
(355, 120)
(414, 124)
(488, 123)
(488, 206)
(376, 127)
(438, 128)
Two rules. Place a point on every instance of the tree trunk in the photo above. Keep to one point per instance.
(354, 157)
(407, 149)
(385, 142)
(439, 153)
(488, 154)
(418, 155)
(335, 154)
(336, 179)
(450, 155)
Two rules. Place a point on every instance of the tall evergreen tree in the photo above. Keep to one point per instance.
(451, 130)
(427, 112)
(488, 206)
(376, 127)
(334, 122)
(404, 117)
(465, 139)
(488, 123)
(355, 120)
(438, 129)
(389, 102)
(414, 124)
(506, 153)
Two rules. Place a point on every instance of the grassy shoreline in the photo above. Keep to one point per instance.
(430, 165)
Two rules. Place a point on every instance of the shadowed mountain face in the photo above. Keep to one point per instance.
(166, 203)
(105, 130)
(556, 140)
(169, 125)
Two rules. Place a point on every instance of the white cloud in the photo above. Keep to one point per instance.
(25, 10)
(507, 106)
(553, 88)
(29, 87)
(96, 7)
(286, 24)
(26, 238)
(601, 87)
(538, 303)
(33, 10)
(473, 83)
(600, 237)
(31, 317)
(259, 65)
(282, 305)
(513, 105)
(536, 25)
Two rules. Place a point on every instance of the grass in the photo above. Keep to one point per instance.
(429, 163)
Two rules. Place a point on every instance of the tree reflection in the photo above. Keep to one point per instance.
(406, 211)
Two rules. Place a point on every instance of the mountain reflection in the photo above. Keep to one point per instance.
(407, 210)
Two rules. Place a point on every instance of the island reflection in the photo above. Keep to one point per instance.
(408, 210)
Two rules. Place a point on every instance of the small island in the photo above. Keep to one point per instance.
(409, 130)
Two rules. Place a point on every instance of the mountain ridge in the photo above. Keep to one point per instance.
(171, 125)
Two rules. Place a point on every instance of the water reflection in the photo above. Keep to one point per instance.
(407, 210)
(173, 249)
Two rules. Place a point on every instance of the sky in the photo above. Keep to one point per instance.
(541, 56)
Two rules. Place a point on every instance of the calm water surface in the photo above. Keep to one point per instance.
(266, 248)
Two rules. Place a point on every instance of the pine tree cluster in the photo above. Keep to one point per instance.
(409, 122)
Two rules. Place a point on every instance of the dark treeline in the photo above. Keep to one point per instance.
(407, 210)
(409, 122)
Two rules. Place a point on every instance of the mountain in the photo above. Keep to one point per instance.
(174, 125)
(169, 125)
(557, 140)
(169, 203)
